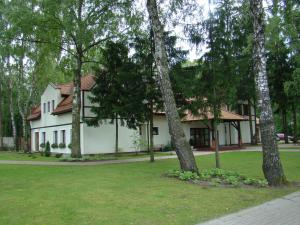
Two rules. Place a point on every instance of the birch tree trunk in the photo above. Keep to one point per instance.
(250, 122)
(12, 113)
(151, 151)
(272, 167)
(182, 147)
(1, 115)
(76, 105)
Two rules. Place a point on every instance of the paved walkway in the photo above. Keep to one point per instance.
(281, 211)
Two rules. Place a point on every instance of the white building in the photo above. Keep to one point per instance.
(52, 121)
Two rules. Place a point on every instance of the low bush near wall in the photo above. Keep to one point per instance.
(215, 177)
(54, 145)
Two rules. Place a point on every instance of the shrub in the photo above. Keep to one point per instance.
(54, 145)
(58, 155)
(47, 149)
(62, 145)
(167, 148)
(217, 176)
(42, 145)
(70, 145)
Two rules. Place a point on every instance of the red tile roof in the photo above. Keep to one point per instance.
(66, 90)
(64, 106)
(35, 113)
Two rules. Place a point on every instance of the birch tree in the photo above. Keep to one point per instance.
(272, 167)
(182, 147)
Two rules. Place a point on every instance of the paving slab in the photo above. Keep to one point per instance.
(281, 211)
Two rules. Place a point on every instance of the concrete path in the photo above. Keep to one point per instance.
(114, 161)
(281, 211)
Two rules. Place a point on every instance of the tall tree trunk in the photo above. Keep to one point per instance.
(76, 106)
(272, 167)
(151, 150)
(12, 113)
(255, 123)
(1, 114)
(284, 126)
(250, 122)
(117, 136)
(216, 138)
(295, 123)
(183, 148)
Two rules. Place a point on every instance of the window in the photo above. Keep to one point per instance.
(246, 110)
(48, 106)
(44, 109)
(55, 137)
(53, 103)
(63, 137)
(240, 109)
(199, 137)
(44, 137)
(155, 131)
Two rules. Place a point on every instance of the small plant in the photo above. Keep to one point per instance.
(58, 155)
(70, 146)
(167, 148)
(47, 149)
(54, 145)
(216, 177)
(62, 145)
(42, 145)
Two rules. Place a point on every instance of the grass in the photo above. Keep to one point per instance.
(9, 155)
(135, 193)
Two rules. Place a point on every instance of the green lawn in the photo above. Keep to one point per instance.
(37, 156)
(135, 193)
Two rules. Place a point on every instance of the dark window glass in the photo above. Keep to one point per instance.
(53, 103)
(155, 131)
(63, 136)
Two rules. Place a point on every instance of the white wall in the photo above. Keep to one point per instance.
(102, 139)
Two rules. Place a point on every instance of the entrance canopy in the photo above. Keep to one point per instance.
(225, 116)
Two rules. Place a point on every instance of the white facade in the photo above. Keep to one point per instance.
(94, 140)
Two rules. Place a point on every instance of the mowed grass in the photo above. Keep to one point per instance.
(134, 193)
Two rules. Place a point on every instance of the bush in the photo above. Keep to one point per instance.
(167, 148)
(217, 176)
(62, 145)
(54, 145)
(47, 149)
(70, 145)
(42, 145)
(58, 155)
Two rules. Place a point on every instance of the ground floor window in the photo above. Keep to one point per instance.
(199, 137)
(63, 137)
(155, 131)
(55, 139)
(44, 137)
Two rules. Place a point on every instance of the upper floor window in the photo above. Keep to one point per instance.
(44, 108)
(48, 106)
(53, 103)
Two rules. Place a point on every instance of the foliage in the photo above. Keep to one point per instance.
(54, 145)
(167, 148)
(42, 145)
(217, 176)
(62, 145)
(47, 149)
(70, 146)
(58, 155)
